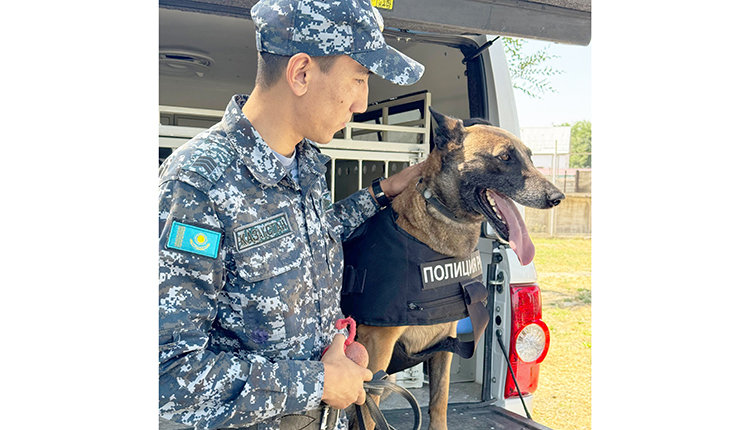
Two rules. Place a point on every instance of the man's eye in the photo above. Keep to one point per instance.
(360, 81)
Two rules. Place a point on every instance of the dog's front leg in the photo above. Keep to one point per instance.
(439, 370)
(379, 343)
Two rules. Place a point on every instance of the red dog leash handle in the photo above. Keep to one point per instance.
(354, 350)
(344, 322)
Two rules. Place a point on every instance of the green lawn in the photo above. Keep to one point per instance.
(557, 255)
(563, 399)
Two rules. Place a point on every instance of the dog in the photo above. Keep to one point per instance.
(474, 172)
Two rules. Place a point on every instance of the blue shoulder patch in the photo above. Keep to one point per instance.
(194, 239)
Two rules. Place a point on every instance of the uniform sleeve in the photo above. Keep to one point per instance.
(197, 386)
(354, 210)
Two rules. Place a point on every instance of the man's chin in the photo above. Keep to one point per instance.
(323, 141)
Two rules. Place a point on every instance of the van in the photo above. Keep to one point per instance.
(207, 54)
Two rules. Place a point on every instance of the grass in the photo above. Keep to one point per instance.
(563, 399)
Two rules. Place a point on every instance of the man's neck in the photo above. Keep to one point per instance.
(270, 115)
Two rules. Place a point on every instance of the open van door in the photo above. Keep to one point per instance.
(562, 21)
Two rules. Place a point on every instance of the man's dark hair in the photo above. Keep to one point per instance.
(271, 67)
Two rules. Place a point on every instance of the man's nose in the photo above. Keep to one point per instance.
(360, 104)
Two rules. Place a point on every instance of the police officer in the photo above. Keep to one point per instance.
(250, 248)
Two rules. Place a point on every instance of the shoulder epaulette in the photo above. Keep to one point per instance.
(207, 160)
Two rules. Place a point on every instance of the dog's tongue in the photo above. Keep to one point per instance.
(520, 241)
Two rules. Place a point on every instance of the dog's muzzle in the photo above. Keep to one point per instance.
(555, 198)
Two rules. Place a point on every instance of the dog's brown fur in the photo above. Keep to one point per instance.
(462, 155)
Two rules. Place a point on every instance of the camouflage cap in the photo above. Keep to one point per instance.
(318, 28)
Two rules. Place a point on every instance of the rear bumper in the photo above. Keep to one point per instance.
(514, 404)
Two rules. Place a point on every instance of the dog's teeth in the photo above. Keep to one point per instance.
(499, 215)
(492, 203)
(491, 200)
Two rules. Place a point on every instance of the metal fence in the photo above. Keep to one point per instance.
(573, 216)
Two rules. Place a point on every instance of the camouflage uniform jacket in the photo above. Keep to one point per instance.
(250, 271)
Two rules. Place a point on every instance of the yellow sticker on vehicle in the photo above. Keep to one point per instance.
(383, 4)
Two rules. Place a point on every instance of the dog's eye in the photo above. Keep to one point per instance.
(505, 157)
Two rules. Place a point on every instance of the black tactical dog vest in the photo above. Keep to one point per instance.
(392, 279)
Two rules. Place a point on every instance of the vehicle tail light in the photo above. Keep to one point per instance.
(529, 341)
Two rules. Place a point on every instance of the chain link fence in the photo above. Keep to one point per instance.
(572, 217)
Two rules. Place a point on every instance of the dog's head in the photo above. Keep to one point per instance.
(483, 169)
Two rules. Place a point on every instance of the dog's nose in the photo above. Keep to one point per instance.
(555, 198)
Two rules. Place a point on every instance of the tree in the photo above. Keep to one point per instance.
(580, 141)
(528, 72)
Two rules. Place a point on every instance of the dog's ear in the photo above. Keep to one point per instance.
(474, 121)
(448, 129)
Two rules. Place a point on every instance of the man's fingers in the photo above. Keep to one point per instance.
(368, 375)
(361, 398)
(394, 185)
(343, 376)
(338, 342)
(362, 394)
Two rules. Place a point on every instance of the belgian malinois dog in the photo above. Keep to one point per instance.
(475, 171)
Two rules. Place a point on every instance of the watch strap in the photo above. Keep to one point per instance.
(380, 196)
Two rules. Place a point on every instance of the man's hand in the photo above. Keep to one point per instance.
(344, 379)
(394, 184)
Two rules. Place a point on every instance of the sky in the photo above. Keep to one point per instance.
(572, 101)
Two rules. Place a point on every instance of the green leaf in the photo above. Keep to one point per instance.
(524, 69)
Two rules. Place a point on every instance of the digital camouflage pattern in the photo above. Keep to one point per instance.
(241, 335)
(318, 28)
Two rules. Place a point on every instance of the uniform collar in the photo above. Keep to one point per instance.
(257, 155)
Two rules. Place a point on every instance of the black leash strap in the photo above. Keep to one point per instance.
(377, 387)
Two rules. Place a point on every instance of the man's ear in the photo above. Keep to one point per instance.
(297, 70)
(448, 130)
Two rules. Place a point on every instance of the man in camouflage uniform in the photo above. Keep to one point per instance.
(250, 249)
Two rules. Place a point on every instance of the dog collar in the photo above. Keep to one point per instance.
(430, 198)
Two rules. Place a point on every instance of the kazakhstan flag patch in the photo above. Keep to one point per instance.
(196, 240)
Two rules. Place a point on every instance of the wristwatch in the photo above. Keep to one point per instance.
(380, 196)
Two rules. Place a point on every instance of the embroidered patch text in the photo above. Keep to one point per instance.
(263, 231)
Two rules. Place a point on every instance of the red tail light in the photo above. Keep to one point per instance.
(529, 340)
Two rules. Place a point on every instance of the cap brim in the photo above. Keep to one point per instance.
(391, 65)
